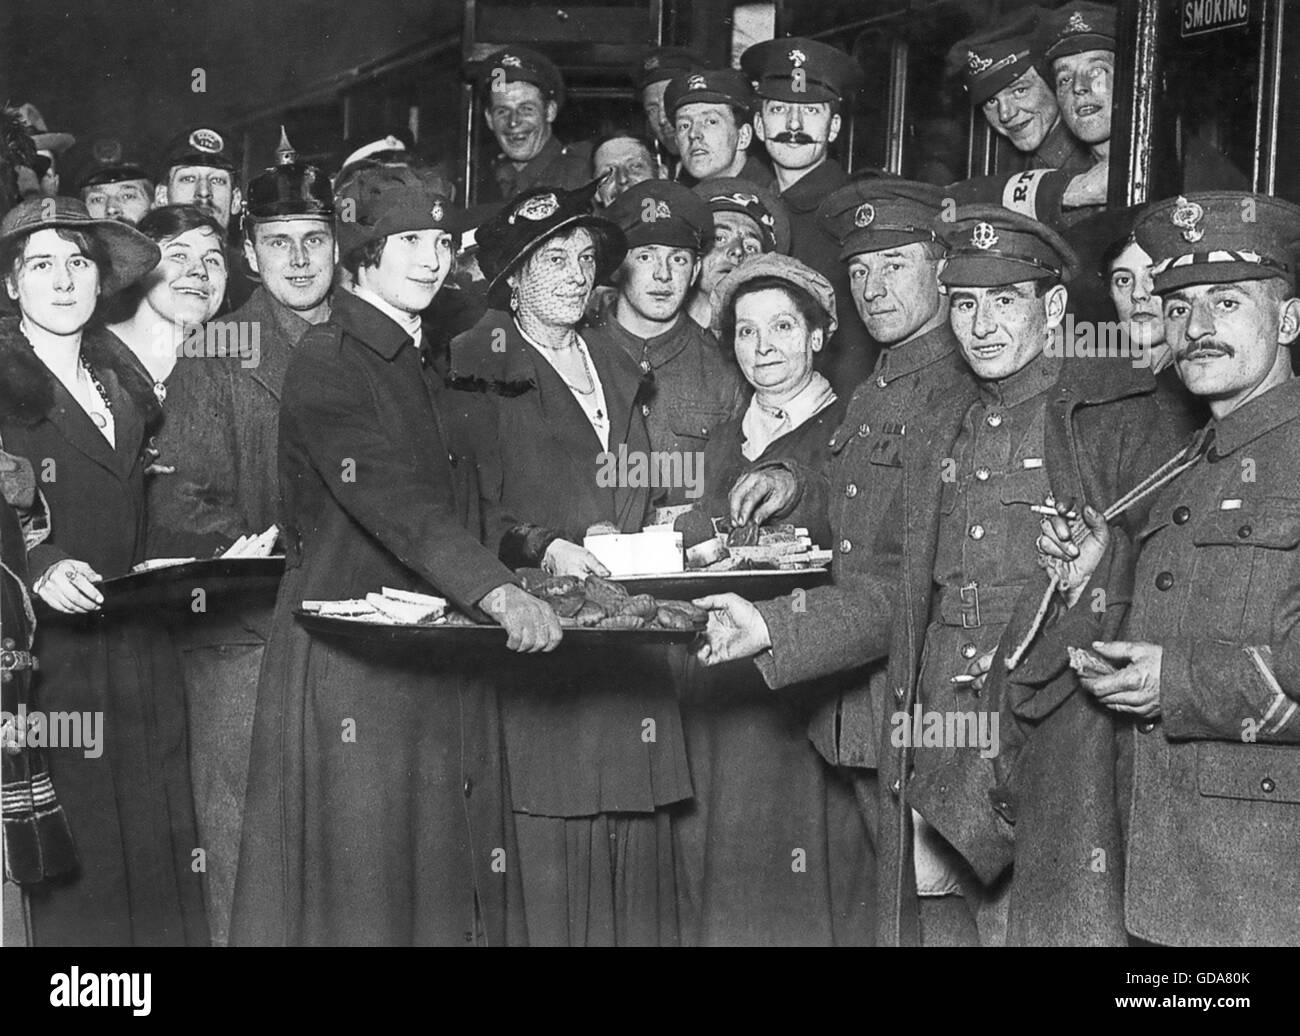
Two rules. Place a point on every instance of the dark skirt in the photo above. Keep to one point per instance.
(772, 851)
(130, 808)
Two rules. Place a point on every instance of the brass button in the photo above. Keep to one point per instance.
(1268, 786)
(983, 474)
(452, 459)
(1181, 515)
(864, 429)
(645, 409)
(645, 365)
(896, 787)
(993, 420)
(846, 545)
(881, 382)
(1164, 580)
(900, 693)
(1245, 532)
(469, 787)
(968, 650)
(977, 531)
(851, 490)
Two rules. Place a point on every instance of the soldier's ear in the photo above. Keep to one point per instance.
(746, 135)
(1055, 301)
(552, 110)
(836, 122)
(250, 253)
(696, 267)
(1289, 321)
(758, 125)
(160, 195)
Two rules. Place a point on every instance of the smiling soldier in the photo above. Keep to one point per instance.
(1207, 681)
(219, 444)
(523, 92)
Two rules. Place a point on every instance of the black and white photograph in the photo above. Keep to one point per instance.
(651, 473)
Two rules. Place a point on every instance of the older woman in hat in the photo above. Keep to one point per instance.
(73, 401)
(373, 810)
(594, 742)
(771, 851)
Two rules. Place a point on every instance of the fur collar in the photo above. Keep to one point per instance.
(27, 387)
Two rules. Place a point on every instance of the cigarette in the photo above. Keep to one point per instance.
(963, 678)
(1051, 512)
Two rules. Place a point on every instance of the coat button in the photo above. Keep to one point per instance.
(8, 644)
(1164, 580)
(469, 787)
(1268, 786)
(846, 546)
(864, 429)
(983, 474)
(968, 650)
(1146, 728)
(977, 531)
(851, 490)
(881, 382)
(1181, 515)
(452, 459)
(1244, 532)
(645, 409)
(993, 420)
(900, 693)
(896, 787)
(645, 366)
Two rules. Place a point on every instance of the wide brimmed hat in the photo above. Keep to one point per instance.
(131, 255)
(783, 267)
(507, 240)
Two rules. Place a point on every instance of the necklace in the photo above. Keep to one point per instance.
(549, 351)
(99, 417)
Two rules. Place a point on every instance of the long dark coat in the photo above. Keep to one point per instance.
(218, 444)
(771, 851)
(131, 808)
(374, 809)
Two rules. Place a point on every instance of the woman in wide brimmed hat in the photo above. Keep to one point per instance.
(594, 743)
(762, 791)
(73, 401)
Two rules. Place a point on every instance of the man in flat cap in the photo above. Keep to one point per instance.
(1008, 78)
(523, 92)
(657, 69)
(801, 86)
(710, 112)
(950, 576)
(696, 387)
(198, 167)
(111, 178)
(748, 220)
(219, 450)
(1205, 679)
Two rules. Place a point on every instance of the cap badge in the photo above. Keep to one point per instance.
(1186, 216)
(696, 83)
(984, 236)
(511, 61)
(797, 58)
(976, 63)
(738, 197)
(207, 140)
(544, 206)
(865, 215)
(1077, 24)
(107, 151)
(651, 62)
(436, 213)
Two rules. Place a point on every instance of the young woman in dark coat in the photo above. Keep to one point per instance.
(74, 403)
(374, 812)
(771, 852)
(594, 741)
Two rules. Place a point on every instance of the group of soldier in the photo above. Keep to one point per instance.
(1094, 559)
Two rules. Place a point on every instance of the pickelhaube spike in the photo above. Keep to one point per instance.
(285, 154)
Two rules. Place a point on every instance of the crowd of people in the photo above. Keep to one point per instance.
(1048, 695)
